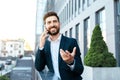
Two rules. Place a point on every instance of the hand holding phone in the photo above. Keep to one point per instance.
(43, 37)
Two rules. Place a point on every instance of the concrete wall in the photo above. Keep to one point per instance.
(84, 12)
(101, 73)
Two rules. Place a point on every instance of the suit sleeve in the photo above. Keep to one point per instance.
(78, 68)
(40, 60)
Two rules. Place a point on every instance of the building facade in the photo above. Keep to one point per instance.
(39, 22)
(13, 48)
(79, 17)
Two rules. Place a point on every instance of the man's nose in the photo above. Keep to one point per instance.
(52, 24)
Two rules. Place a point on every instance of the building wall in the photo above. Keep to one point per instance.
(41, 4)
(79, 17)
(71, 15)
(12, 48)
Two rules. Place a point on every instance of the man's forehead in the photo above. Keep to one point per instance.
(51, 18)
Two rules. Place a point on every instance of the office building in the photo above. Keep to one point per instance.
(79, 17)
(13, 48)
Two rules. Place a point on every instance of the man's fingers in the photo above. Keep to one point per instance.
(63, 53)
(44, 34)
(67, 53)
(74, 51)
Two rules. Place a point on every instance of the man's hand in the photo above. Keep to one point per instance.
(67, 56)
(43, 38)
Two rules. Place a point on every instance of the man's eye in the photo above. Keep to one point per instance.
(48, 22)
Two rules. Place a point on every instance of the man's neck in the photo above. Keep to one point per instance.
(54, 37)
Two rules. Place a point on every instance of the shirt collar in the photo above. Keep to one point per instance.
(58, 39)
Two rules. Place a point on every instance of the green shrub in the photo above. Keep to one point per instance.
(98, 54)
(4, 77)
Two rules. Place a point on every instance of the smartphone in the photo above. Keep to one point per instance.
(48, 31)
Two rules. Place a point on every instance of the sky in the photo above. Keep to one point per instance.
(17, 20)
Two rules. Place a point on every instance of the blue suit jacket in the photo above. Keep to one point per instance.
(43, 57)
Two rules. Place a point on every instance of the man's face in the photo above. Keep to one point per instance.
(52, 25)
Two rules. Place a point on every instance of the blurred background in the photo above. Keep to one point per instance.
(21, 24)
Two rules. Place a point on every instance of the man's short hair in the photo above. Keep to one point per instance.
(48, 14)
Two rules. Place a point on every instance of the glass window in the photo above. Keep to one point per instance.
(11, 45)
(64, 17)
(83, 1)
(67, 12)
(118, 12)
(79, 5)
(75, 5)
(10, 51)
(69, 8)
(70, 32)
(88, 2)
(19, 46)
(65, 33)
(83, 5)
(100, 19)
(77, 32)
(19, 51)
(118, 32)
(72, 7)
(119, 7)
(118, 20)
(87, 37)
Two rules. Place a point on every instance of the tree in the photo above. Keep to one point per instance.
(98, 54)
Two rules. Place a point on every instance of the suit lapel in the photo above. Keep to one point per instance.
(48, 55)
(48, 47)
(62, 42)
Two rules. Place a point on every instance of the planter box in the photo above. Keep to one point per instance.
(101, 73)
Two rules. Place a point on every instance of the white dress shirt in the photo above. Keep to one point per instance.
(54, 47)
(54, 54)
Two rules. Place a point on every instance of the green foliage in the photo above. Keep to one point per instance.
(4, 78)
(98, 54)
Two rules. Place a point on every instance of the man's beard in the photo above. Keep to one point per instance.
(53, 33)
